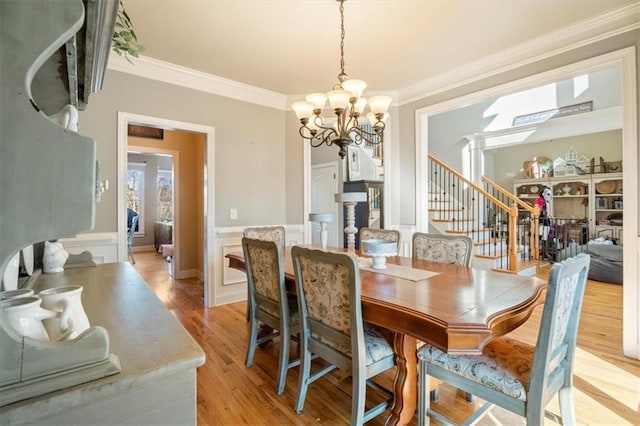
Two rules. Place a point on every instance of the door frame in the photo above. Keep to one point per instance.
(336, 166)
(125, 118)
(626, 60)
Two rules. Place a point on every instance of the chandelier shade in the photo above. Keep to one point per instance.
(348, 105)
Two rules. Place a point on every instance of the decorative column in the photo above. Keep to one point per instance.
(350, 199)
(322, 219)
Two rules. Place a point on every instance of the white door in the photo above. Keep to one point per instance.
(324, 184)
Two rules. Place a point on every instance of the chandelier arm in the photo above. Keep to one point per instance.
(374, 137)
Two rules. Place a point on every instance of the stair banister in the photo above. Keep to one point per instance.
(511, 212)
(533, 210)
(489, 197)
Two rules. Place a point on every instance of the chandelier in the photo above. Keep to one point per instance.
(348, 105)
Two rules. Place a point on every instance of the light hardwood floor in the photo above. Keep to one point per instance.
(607, 384)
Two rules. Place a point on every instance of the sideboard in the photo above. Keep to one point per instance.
(158, 358)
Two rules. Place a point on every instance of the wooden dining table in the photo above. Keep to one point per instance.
(455, 308)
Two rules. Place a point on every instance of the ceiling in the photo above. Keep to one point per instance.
(292, 46)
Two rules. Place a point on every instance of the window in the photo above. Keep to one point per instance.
(165, 195)
(135, 191)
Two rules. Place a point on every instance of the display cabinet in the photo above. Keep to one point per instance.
(595, 197)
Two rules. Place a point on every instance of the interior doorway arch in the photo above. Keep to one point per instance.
(626, 60)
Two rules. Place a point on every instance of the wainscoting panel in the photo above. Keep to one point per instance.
(103, 246)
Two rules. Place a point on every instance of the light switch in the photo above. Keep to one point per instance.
(233, 214)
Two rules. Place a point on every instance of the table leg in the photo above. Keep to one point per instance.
(406, 381)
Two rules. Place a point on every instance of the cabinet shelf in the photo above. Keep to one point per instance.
(594, 197)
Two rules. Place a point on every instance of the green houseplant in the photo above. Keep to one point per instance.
(125, 41)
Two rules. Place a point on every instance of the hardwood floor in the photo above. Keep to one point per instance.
(607, 384)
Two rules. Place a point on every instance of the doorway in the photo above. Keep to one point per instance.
(205, 181)
(625, 59)
(324, 186)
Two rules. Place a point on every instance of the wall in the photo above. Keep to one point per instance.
(245, 154)
(508, 161)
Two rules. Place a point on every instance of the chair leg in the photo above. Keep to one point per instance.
(283, 365)
(253, 340)
(303, 381)
(567, 411)
(359, 394)
(424, 395)
(133, 261)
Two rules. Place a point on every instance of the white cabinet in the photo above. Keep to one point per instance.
(595, 199)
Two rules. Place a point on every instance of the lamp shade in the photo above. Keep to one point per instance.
(359, 106)
(317, 99)
(322, 217)
(350, 197)
(379, 104)
(355, 87)
(303, 109)
(339, 99)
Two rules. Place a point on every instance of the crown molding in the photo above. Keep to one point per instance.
(618, 21)
(155, 69)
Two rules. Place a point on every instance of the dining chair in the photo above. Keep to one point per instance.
(516, 376)
(130, 232)
(266, 233)
(380, 234)
(442, 248)
(270, 303)
(328, 288)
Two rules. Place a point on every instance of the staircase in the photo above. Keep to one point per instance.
(504, 229)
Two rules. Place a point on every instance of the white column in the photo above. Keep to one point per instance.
(350, 199)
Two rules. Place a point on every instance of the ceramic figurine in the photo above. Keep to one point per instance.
(54, 257)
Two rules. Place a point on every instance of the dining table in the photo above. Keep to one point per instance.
(456, 308)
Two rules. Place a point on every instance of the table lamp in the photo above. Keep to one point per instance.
(322, 219)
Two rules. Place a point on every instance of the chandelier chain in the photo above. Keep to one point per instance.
(342, 76)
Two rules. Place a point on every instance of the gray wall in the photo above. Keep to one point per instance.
(250, 157)
(407, 111)
(259, 166)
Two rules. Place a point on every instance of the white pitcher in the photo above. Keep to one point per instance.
(68, 303)
(25, 315)
(13, 294)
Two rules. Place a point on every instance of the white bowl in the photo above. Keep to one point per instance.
(379, 250)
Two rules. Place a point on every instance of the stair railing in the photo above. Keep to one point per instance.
(470, 210)
(527, 225)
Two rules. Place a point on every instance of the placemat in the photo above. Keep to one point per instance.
(398, 271)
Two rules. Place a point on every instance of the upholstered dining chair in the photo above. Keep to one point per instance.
(442, 248)
(514, 375)
(380, 234)
(130, 232)
(270, 303)
(266, 233)
(328, 287)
